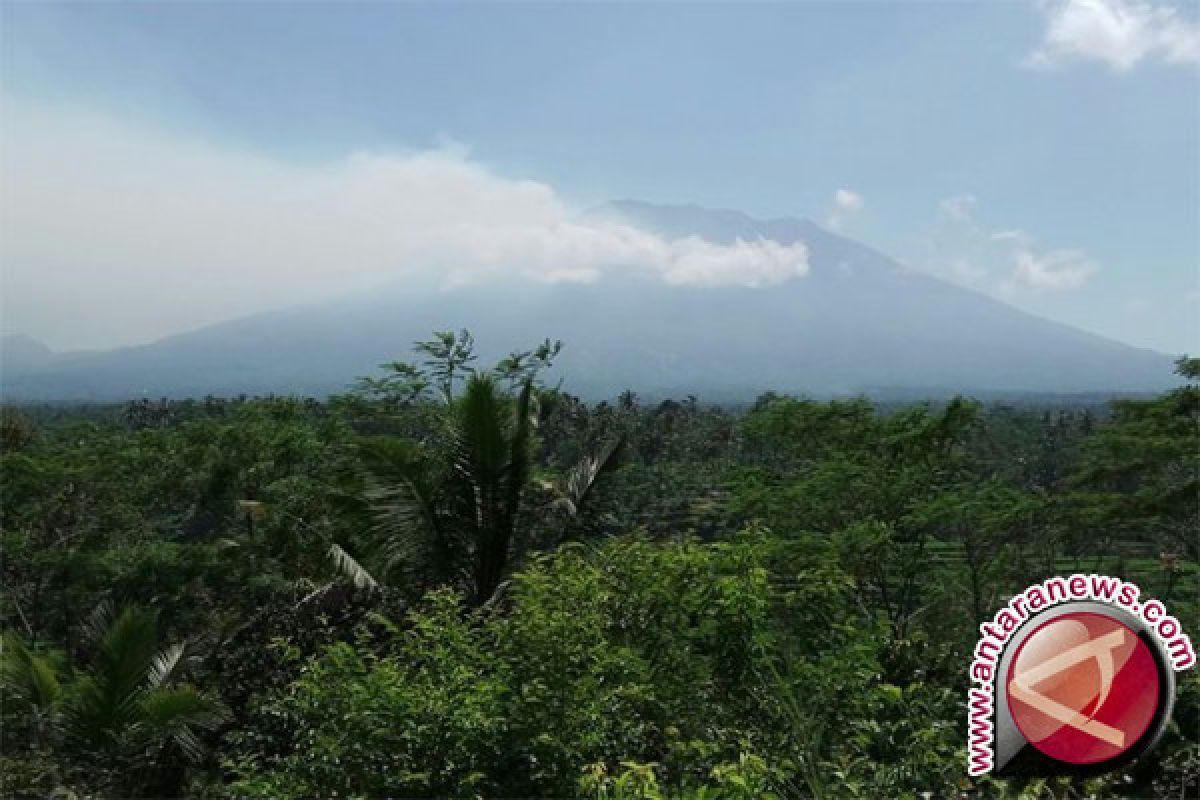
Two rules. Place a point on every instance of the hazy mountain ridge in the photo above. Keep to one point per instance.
(857, 320)
(20, 352)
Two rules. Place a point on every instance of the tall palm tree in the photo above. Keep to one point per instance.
(454, 510)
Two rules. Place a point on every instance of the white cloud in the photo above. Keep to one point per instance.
(113, 233)
(1054, 270)
(848, 200)
(846, 204)
(1002, 262)
(1119, 33)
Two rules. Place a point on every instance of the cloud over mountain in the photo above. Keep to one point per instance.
(963, 249)
(116, 233)
(846, 204)
(858, 322)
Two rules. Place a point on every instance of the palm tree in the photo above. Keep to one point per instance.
(454, 511)
(450, 508)
(132, 699)
(129, 710)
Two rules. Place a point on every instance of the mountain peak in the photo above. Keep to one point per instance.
(856, 320)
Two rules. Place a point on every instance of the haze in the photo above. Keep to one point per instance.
(169, 167)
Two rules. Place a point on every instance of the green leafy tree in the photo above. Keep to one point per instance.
(16, 430)
(1139, 475)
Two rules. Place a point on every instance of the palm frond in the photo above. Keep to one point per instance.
(402, 485)
(97, 622)
(28, 677)
(583, 477)
(351, 569)
(396, 466)
(165, 663)
(405, 489)
(389, 458)
(480, 441)
(495, 461)
(176, 714)
(103, 704)
(125, 652)
(94, 717)
(130, 697)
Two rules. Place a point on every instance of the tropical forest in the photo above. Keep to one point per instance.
(458, 579)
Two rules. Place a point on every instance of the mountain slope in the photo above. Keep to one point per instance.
(20, 353)
(857, 321)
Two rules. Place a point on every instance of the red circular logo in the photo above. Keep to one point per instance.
(1083, 688)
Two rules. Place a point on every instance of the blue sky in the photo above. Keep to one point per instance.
(1047, 153)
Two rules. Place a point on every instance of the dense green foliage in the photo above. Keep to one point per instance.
(459, 582)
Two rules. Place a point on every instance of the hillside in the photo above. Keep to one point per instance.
(859, 321)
